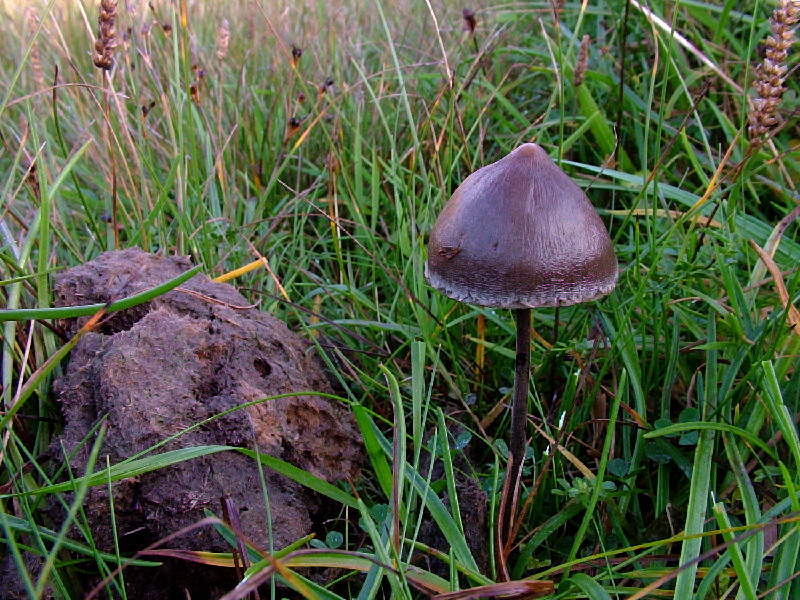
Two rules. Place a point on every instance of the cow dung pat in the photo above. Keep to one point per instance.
(156, 369)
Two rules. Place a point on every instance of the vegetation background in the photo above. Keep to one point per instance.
(324, 138)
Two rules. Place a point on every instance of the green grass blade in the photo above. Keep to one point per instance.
(747, 586)
(699, 490)
(590, 587)
(69, 312)
(132, 468)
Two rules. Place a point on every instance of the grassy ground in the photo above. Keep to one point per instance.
(325, 138)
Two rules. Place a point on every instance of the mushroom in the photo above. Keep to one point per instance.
(520, 234)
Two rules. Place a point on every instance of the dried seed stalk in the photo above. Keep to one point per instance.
(297, 52)
(106, 35)
(583, 61)
(35, 56)
(470, 22)
(558, 8)
(771, 73)
(223, 37)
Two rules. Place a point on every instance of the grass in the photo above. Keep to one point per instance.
(325, 139)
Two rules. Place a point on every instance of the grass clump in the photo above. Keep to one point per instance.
(321, 141)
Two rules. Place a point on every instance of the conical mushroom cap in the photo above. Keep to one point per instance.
(520, 234)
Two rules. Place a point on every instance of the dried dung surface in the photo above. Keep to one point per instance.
(472, 505)
(158, 368)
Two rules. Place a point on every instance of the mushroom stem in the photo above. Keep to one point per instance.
(519, 414)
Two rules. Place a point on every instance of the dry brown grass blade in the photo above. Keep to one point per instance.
(516, 590)
(507, 515)
(775, 237)
(422, 580)
(771, 245)
(480, 352)
(576, 462)
(241, 560)
(213, 559)
(792, 314)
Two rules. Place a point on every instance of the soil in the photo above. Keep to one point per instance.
(152, 371)
(473, 509)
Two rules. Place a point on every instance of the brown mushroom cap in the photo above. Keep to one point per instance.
(520, 234)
